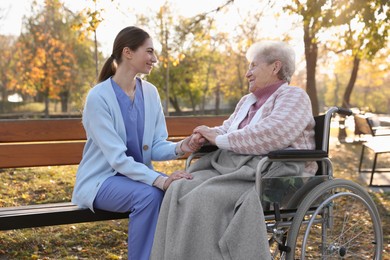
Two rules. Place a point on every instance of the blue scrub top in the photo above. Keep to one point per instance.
(133, 113)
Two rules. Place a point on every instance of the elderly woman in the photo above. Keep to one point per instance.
(217, 214)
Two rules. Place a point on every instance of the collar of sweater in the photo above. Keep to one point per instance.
(263, 94)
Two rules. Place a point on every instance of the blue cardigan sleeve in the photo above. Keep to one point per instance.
(161, 149)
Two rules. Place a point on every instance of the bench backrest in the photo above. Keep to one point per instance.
(50, 142)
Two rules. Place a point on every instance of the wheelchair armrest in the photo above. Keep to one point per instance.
(207, 148)
(297, 154)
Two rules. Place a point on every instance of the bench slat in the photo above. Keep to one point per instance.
(27, 217)
(40, 154)
(41, 130)
(183, 126)
(36, 206)
(72, 129)
(14, 152)
(50, 142)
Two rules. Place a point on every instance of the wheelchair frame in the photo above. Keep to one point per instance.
(318, 221)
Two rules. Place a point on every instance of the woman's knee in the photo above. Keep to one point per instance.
(156, 195)
(151, 197)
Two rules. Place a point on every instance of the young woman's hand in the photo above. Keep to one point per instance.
(177, 175)
(192, 143)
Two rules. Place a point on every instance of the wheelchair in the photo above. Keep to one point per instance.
(315, 217)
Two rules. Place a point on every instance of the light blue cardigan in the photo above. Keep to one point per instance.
(104, 152)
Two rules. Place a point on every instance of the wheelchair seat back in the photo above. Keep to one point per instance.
(288, 191)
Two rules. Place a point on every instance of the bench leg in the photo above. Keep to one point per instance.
(373, 169)
(361, 159)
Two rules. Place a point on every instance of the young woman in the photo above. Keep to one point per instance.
(126, 130)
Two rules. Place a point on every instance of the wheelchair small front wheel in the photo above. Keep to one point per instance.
(337, 220)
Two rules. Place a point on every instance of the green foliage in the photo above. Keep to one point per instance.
(199, 65)
(195, 60)
(371, 89)
(362, 28)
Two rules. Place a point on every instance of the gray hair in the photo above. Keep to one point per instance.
(271, 51)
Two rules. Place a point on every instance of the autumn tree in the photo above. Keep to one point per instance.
(365, 33)
(320, 15)
(7, 64)
(48, 55)
(316, 15)
(247, 32)
(183, 73)
(7, 67)
(371, 91)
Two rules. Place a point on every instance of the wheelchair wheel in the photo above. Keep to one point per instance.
(337, 220)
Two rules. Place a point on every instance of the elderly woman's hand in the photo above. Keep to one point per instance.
(177, 175)
(209, 133)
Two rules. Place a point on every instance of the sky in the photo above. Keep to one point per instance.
(120, 13)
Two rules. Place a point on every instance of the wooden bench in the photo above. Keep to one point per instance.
(378, 142)
(378, 145)
(369, 125)
(53, 142)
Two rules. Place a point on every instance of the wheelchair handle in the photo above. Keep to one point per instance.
(344, 111)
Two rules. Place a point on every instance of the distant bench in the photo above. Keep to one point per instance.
(378, 142)
(53, 142)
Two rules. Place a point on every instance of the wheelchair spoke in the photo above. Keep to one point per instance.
(342, 227)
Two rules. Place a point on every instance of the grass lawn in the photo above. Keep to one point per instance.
(107, 240)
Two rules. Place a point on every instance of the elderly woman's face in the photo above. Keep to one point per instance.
(260, 74)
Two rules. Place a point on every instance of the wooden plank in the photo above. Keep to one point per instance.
(23, 143)
(183, 126)
(40, 154)
(29, 143)
(41, 130)
(72, 129)
(50, 216)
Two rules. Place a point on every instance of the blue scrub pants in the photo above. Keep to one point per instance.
(121, 194)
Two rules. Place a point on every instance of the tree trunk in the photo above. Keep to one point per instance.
(346, 98)
(336, 90)
(96, 54)
(46, 98)
(311, 52)
(193, 105)
(3, 99)
(217, 98)
(240, 76)
(64, 101)
(175, 103)
(351, 83)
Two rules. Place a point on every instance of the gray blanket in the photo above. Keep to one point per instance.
(216, 215)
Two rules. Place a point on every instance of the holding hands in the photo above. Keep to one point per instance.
(205, 133)
(201, 135)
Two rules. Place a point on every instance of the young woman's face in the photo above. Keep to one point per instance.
(144, 57)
